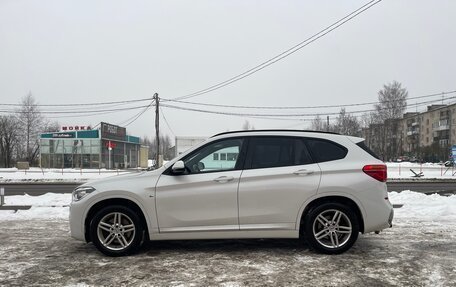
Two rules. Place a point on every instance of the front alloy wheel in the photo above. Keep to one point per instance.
(116, 231)
(331, 228)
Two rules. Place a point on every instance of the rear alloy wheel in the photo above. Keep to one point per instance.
(116, 231)
(331, 228)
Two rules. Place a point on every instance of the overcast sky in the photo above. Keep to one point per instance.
(97, 51)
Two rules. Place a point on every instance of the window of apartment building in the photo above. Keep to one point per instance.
(427, 121)
(427, 130)
(427, 139)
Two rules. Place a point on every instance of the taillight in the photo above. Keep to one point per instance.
(377, 171)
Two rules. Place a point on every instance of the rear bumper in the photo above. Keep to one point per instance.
(380, 217)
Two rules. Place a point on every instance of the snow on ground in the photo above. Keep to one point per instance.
(46, 206)
(431, 207)
(401, 170)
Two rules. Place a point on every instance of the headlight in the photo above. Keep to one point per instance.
(82, 191)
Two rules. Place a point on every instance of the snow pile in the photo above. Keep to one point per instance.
(427, 207)
(416, 206)
(46, 206)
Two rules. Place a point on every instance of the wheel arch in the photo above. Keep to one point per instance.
(114, 201)
(332, 198)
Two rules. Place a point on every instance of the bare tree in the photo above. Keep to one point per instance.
(247, 126)
(393, 101)
(30, 124)
(384, 123)
(318, 124)
(165, 146)
(8, 140)
(347, 124)
(51, 126)
(369, 119)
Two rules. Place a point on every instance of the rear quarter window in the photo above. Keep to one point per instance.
(363, 146)
(325, 150)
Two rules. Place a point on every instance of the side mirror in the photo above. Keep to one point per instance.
(201, 166)
(178, 167)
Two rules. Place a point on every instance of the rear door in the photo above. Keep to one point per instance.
(279, 175)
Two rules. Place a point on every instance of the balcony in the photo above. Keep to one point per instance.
(441, 125)
(412, 132)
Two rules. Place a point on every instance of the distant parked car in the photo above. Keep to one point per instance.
(325, 188)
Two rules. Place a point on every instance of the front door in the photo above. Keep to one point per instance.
(204, 198)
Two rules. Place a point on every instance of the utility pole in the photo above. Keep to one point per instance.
(327, 123)
(157, 130)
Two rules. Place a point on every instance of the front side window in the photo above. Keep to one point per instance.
(213, 157)
(269, 152)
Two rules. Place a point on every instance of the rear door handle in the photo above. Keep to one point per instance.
(303, 172)
(224, 179)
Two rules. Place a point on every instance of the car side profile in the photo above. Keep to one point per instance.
(325, 188)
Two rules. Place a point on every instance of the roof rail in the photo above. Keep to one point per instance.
(275, 130)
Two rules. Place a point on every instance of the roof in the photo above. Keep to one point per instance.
(274, 130)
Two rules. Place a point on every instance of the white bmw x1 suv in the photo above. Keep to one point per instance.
(322, 187)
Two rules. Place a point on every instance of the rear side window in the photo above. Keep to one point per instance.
(324, 150)
(367, 149)
(268, 152)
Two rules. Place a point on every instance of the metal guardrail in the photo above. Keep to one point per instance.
(10, 207)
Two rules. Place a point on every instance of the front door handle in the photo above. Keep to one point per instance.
(224, 179)
(303, 172)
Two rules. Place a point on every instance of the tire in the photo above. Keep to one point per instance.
(117, 231)
(331, 228)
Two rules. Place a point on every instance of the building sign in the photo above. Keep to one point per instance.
(75, 128)
(113, 132)
(63, 135)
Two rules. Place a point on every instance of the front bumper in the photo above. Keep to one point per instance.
(76, 220)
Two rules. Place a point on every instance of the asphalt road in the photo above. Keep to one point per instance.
(441, 187)
(428, 187)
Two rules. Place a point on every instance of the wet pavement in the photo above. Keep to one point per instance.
(412, 253)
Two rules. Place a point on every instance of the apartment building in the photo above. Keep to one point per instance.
(427, 135)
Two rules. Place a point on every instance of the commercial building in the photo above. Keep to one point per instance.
(184, 143)
(82, 147)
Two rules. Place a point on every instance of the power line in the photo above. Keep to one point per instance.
(285, 115)
(284, 54)
(81, 104)
(134, 116)
(303, 107)
(166, 121)
(140, 114)
(75, 111)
